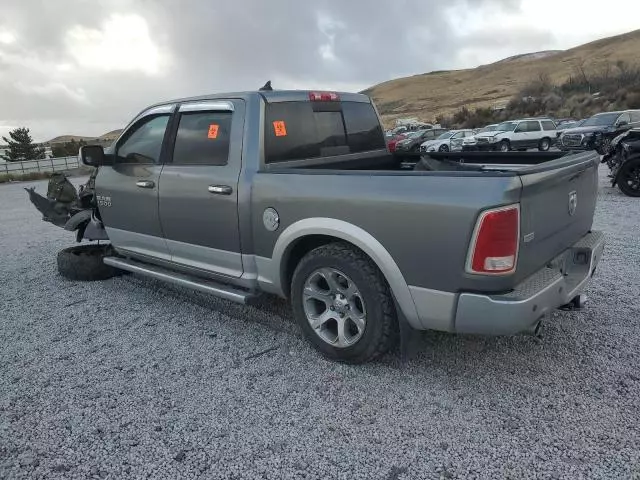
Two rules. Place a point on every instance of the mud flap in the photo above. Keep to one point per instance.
(408, 337)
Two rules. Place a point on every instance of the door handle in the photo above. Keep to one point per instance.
(145, 184)
(220, 189)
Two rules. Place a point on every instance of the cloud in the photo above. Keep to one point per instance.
(85, 67)
(123, 43)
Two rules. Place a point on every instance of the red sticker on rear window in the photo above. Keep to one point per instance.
(280, 128)
(213, 131)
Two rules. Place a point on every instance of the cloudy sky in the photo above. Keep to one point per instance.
(84, 67)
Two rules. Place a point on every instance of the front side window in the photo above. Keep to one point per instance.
(203, 138)
(623, 118)
(144, 142)
(635, 116)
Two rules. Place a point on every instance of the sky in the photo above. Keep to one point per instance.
(85, 67)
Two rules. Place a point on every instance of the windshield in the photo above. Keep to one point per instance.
(601, 120)
(506, 127)
(489, 128)
(446, 135)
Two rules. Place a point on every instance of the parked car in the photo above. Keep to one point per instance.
(623, 159)
(391, 144)
(448, 141)
(597, 131)
(519, 135)
(294, 193)
(411, 144)
(469, 143)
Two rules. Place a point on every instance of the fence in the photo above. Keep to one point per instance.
(59, 164)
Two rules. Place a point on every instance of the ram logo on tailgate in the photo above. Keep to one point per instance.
(573, 202)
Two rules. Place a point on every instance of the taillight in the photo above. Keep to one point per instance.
(324, 97)
(494, 245)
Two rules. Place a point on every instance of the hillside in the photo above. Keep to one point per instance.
(68, 138)
(444, 92)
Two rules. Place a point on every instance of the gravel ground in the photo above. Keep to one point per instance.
(129, 378)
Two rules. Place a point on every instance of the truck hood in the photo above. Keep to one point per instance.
(487, 134)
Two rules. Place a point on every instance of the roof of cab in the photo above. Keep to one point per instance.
(271, 96)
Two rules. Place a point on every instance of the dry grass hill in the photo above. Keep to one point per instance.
(444, 92)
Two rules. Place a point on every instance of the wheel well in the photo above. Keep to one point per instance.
(299, 249)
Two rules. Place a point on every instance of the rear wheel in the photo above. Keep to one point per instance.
(629, 178)
(84, 263)
(505, 146)
(443, 148)
(343, 304)
(544, 145)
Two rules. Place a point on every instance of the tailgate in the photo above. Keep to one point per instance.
(557, 206)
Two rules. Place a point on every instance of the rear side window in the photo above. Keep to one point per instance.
(302, 130)
(203, 139)
(548, 125)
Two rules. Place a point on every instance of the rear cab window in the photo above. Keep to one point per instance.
(300, 130)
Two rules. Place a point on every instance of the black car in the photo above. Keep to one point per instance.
(596, 132)
(412, 143)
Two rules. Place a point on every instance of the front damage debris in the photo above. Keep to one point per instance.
(71, 209)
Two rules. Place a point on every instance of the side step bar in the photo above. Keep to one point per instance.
(194, 283)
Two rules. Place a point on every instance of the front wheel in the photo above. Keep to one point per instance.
(343, 304)
(443, 148)
(629, 178)
(505, 146)
(544, 145)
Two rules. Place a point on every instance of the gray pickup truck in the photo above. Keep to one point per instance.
(294, 193)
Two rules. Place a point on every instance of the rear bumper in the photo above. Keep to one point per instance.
(549, 288)
(555, 285)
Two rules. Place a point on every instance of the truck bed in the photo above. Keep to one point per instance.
(433, 211)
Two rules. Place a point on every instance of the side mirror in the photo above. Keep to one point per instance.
(93, 155)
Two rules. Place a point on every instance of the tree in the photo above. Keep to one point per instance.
(21, 146)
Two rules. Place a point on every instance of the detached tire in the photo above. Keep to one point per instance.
(343, 304)
(84, 263)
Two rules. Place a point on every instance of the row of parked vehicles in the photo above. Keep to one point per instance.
(615, 135)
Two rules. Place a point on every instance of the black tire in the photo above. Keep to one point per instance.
(629, 178)
(505, 146)
(544, 145)
(443, 148)
(84, 263)
(381, 328)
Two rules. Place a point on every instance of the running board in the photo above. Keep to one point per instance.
(188, 281)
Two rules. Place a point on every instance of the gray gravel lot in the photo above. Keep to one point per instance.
(129, 378)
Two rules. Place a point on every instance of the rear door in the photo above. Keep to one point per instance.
(198, 195)
(534, 133)
(127, 192)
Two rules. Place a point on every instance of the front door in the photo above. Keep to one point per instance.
(519, 137)
(199, 187)
(127, 192)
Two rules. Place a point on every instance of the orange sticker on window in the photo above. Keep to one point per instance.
(213, 131)
(280, 128)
